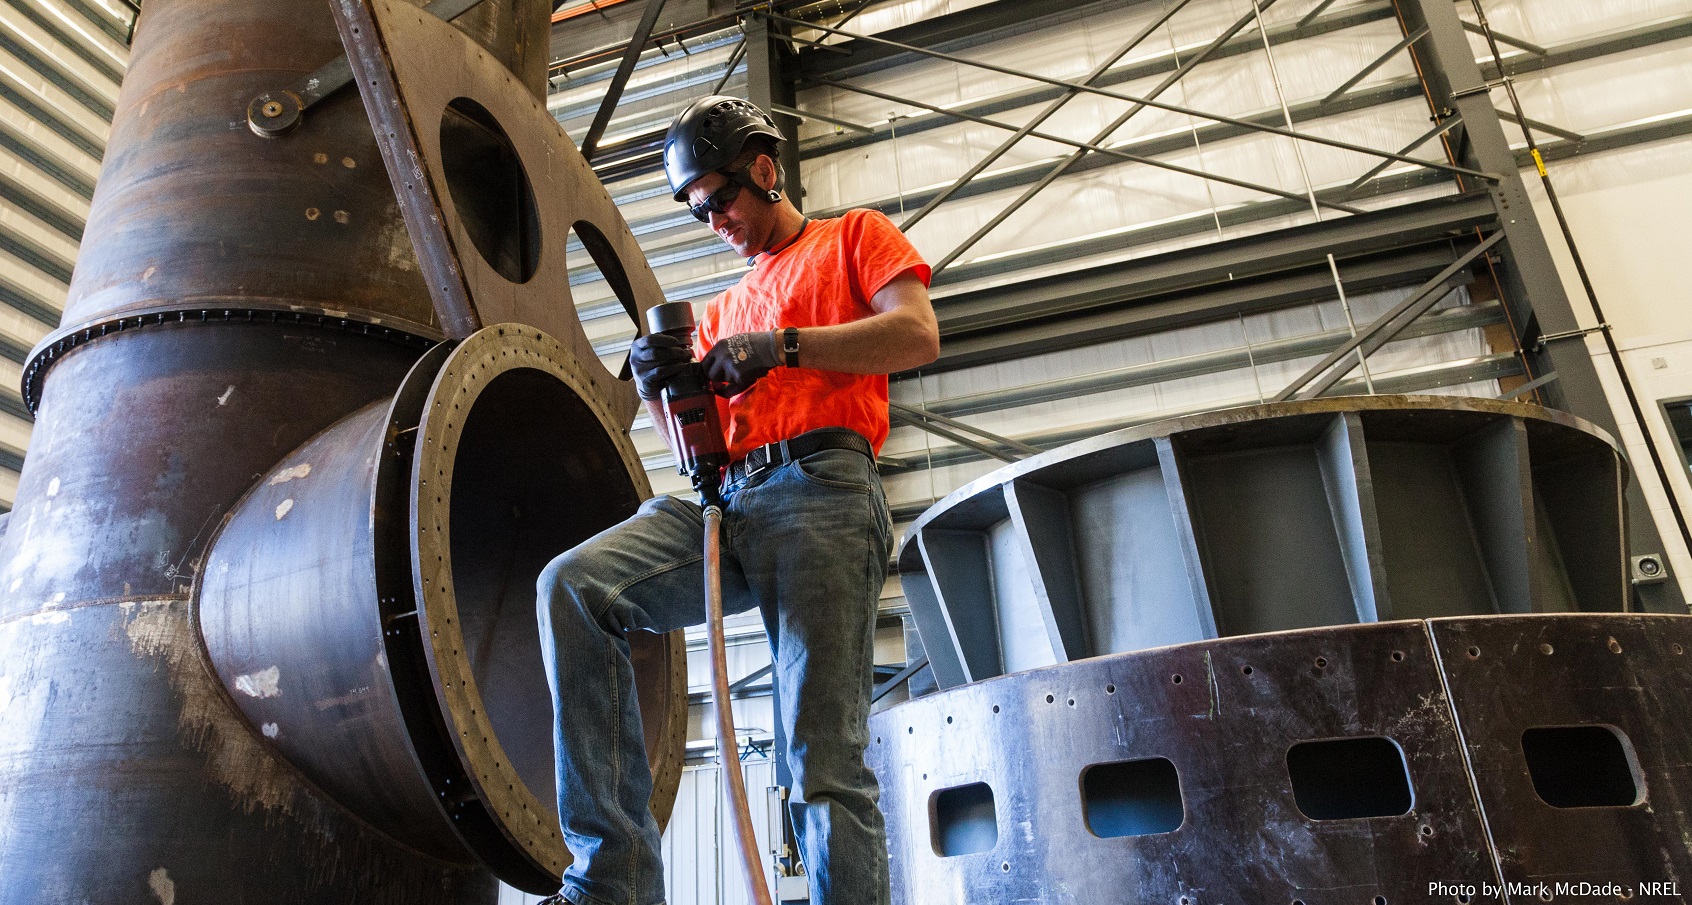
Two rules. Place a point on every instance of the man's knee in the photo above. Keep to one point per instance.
(558, 583)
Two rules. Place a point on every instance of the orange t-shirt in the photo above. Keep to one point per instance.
(827, 277)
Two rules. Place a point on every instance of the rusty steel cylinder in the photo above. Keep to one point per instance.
(236, 296)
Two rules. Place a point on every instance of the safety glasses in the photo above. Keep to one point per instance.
(717, 202)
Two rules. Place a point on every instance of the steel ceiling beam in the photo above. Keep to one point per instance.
(1218, 262)
(1319, 378)
(1182, 308)
(969, 27)
(1574, 52)
(1045, 114)
(614, 94)
(1133, 99)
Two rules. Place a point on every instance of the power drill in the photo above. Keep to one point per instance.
(696, 430)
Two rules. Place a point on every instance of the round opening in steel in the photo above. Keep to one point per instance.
(495, 202)
(517, 459)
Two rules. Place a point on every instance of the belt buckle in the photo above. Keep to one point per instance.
(769, 459)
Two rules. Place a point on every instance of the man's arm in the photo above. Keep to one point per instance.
(900, 335)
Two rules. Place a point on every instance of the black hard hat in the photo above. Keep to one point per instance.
(709, 135)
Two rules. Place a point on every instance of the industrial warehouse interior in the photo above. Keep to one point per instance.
(1296, 510)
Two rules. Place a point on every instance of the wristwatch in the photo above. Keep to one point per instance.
(790, 347)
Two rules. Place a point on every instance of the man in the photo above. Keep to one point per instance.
(800, 348)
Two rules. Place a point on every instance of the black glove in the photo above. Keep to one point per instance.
(735, 363)
(655, 360)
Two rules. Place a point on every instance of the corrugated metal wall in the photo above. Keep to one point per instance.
(60, 65)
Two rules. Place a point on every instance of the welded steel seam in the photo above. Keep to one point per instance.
(239, 309)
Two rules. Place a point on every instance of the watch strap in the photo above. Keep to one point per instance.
(790, 347)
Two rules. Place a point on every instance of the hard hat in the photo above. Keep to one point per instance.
(709, 135)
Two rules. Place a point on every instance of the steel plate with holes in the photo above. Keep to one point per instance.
(1579, 728)
(442, 109)
(1318, 766)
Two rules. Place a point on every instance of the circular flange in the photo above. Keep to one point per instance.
(482, 400)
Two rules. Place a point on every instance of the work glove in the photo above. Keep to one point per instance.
(735, 363)
(656, 359)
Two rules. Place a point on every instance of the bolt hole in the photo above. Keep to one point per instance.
(1245, 670)
(1398, 656)
(1072, 702)
(1547, 649)
(1110, 689)
(1321, 662)
(1176, 678)
(1005, 866)
(1615, 646)
(1474, 653)
(995, 708)
(1678, 650)
(1427, 830)
(1380, 900)
(948, 721)
(910, 730)
(1050, 699)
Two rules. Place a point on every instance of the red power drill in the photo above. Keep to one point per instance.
(696, 430)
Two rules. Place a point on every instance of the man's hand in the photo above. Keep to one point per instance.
(735, 363)
(655, 360)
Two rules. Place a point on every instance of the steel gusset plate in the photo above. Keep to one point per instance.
(1216, 718)
(1579, 728)
(370, 604)
(426, 87)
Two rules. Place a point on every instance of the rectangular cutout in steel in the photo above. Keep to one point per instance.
(1348, 778)
(1132, 798)
(1582, 766)
(964, 820)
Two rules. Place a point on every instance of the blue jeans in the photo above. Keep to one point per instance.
(807, 543)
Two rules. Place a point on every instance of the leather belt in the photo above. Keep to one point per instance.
(774, 455)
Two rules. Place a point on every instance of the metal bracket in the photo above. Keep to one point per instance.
(276, 113)
(1482, 88)
(1568, 334)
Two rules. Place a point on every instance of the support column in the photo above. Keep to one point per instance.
(1533, 289)
(768, 63)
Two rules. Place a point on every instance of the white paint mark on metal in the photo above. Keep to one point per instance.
(59, 597)
(16, 583)
(261, 684)
(224, 399)
(283, 507)
(288, 474)
(53, 487)
(271, 730)
(163, 887)
(53, 618)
